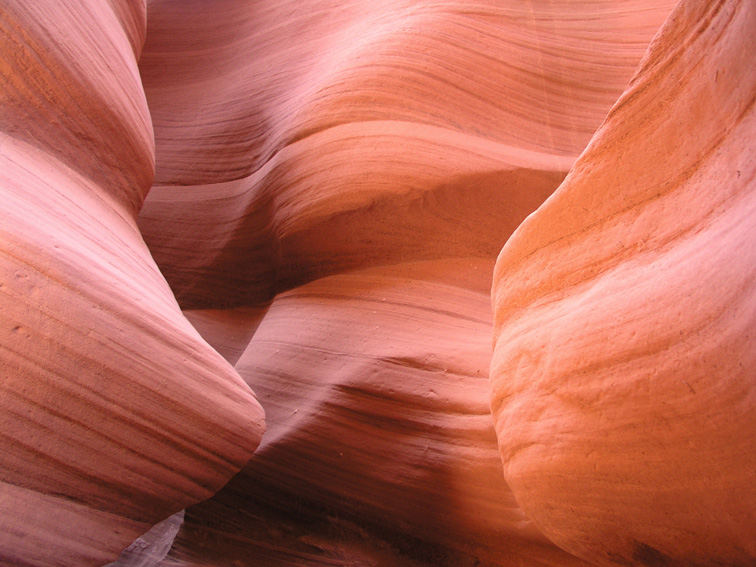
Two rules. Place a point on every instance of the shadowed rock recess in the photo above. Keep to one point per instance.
(254, 256)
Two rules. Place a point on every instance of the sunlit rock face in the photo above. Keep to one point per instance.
(329, 136)
(306, 200)
(623, 381)
(114, 413)
(334, 182)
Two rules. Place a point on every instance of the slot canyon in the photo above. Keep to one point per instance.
(411, 283)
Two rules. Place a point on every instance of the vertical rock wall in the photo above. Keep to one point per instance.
(114, 413)
(325, 192)
(623, 382)
(333, 185)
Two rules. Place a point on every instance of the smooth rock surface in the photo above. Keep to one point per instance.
(328, 212)
(328, 136)
(377, 451)
(114, 413)
(306, 200)
(623, 381)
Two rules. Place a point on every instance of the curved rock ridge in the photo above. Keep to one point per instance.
(333, 185)
(379, 447)
(311, 136)
(232, 83)
(622, 379)
(353, 196)
(71, 87)
(114, 413)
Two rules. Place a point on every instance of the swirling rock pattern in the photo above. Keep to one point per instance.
(338, 136)
(389, 436)
(114, 413)
(325, 192)
(328, 211)
(623, 384)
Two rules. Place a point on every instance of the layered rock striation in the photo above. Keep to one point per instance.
(328, 213)
(114, 413)
(206, 199)
(623, 388)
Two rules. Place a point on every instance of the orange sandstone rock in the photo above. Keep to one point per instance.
(379, 447)
(341, 135)
(622, 380)
(333, 185)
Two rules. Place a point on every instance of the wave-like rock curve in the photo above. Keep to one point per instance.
(623, 387)
(114, 413)
(308, 199)
(328, 211)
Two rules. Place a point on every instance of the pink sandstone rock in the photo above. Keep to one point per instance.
(114, 413)
(623, 382)
(285, 126)
(327, 189)
(353, 181)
